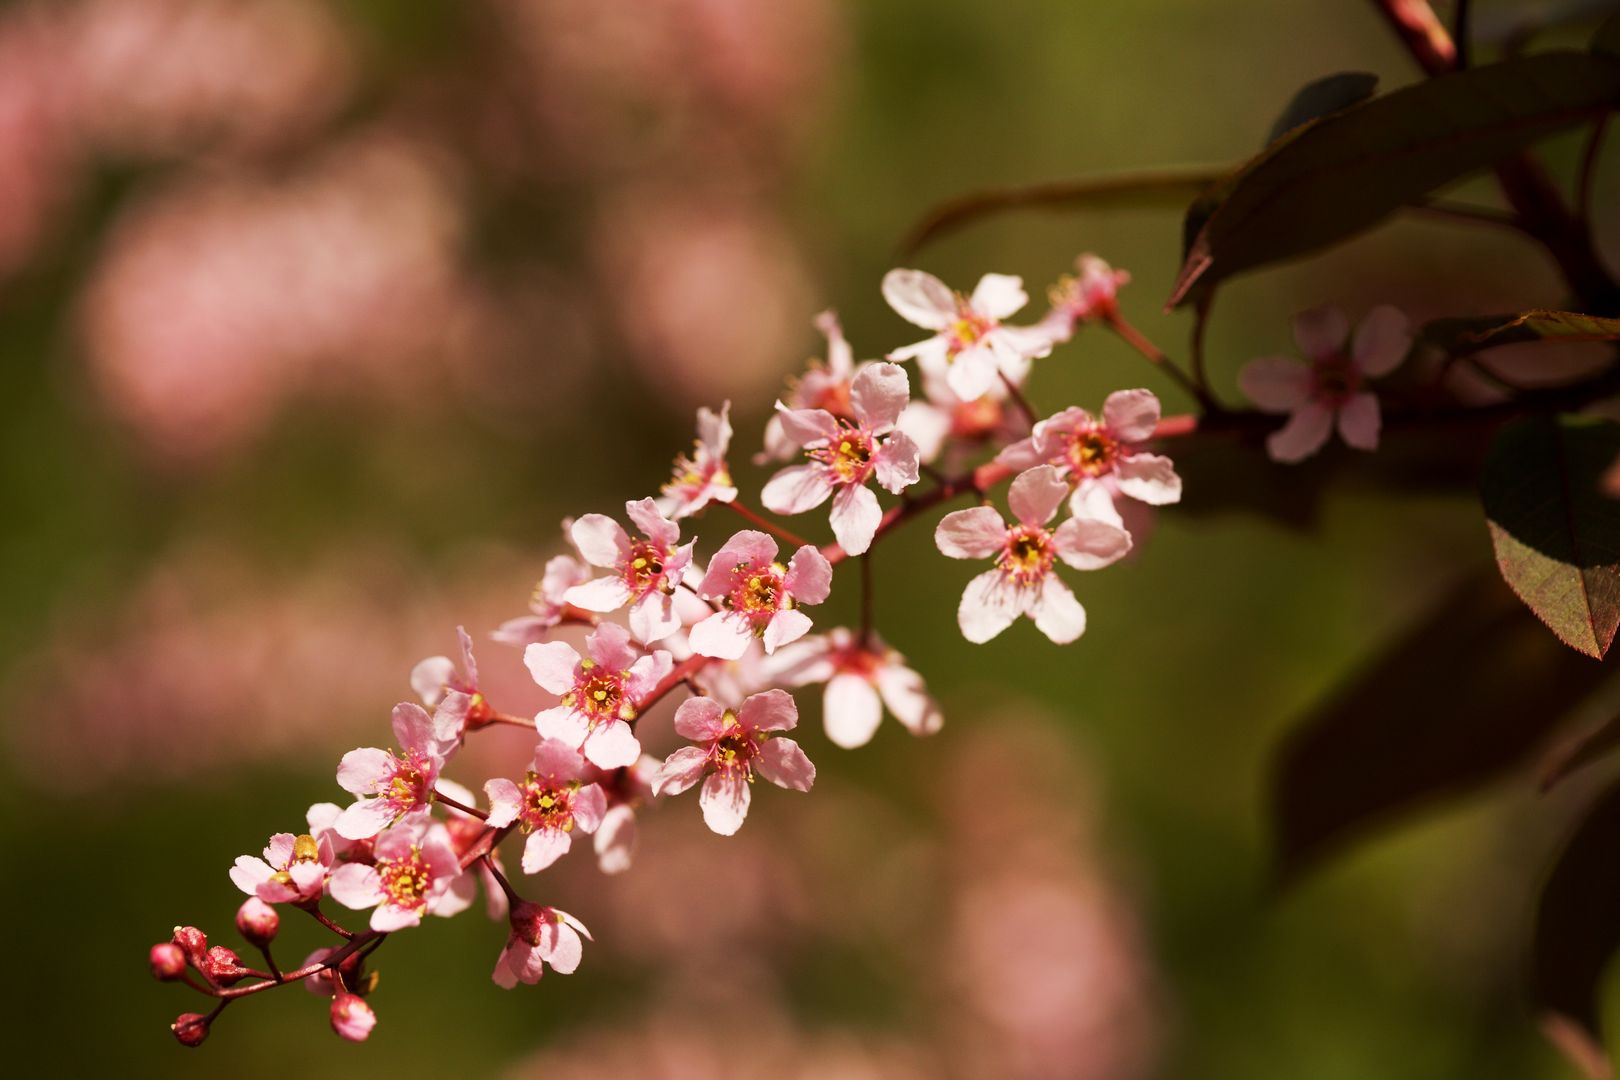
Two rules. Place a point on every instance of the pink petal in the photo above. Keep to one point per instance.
(1359, 421)
(1015, 346)
(355, 886)
(972, 373)
(989, 605)
(279, 851)
(851, 711)
(644, 514)
(745, 548)
(1150, 478)
(1057, 613)
(1024, 454)
(904, 694)
(544, 847)
(250, 872)
(363, 820)
(804, 426)
(1087, 544)
(430, 677)
(840, 357)
(1036, 494)
(589, 806)
(653, 618)
(563, 724)
(680, 770)
(714, 429)
(552, 665)
(558, 760)
(809, 576)
(647, 672)
(389, 918)
(929, 351)
(609, 645)
(784, 764)
(612, 746)
(975, 533)
(1321, 332)
(919, 298)
(1381, 342)
(896, 463)
(469, 665)
(561, 948)
(1094, 502)
(413, 728)
(1276, 384)
(772, 710)
(785, 626)
(362, 770)
(855, 517)
(1307, 429)
(724, 800)
(699, 719)
(505, 800)
(1131, 415)
(600, 539)
(879, 394)
(602, 594)
(998, 295)
(616, 840)
(723, 636)
(796, 489)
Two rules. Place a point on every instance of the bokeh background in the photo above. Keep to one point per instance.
(317, 318)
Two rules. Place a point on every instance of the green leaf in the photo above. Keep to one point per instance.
(1469, 692)
(1576, 933)
(1467, 335)
(1342, 174)
(1556, 534)
(1317, 99)
(1167, 189)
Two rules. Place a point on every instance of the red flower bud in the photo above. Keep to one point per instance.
(193, 942)
(222, 965)
(168, 961)
(257, 921)
(352, 1018)
(190, 1028)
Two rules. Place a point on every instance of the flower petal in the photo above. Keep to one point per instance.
(809, 576)
(1276, 384)
(356, 886)
(851, 710)
(699, 719)
(785, 626)
(1381, 342)
(1359, 421)
(552, 665)
(855, 517)
(1057, 613)
(616, 840)
(1088, 544)
(505, 800)
(796, 489)
(724, 800)
(1307, 429)
(878, 394)
(612, 745)
(919, 298)
(975, 533)
(601, 594)
(544, 847)
(680, 770)
(784, 763)
(362, 770)
(904, 693)
(1131, 415)
(771, 710)
(998, 295)
(723, 636)
(896, 463)
(1150, 478)
(972, 373)
(989, 605)
(1035, 494)
(1321, 332)
(431, 676)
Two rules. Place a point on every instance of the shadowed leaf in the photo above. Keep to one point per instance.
(1577, 931)
(1164, 190)
(1466, 694)
(1556, 534)
(1467, 335)
(1338, 176)
(1326, 95)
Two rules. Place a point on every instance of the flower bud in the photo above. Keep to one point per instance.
(190, 1028)
(193, 942)
(222, 965)
(257, 921)
(352, 1018)
(168, 961)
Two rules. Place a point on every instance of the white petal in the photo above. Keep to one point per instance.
(975, 533)
(989, 605)
(919, 298)
(855, 518)
(1131, 414)
(879, 394)
(998, 295)
(796, 489)
(1088, 544)
(725, 803)
(1057, 613)
(600, 539)
(1035, 494)
(851, 711)
(1150, 478)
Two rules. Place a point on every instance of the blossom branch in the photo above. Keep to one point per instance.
(765, 523)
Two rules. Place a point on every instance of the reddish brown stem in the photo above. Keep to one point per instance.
(440, 796)
(769, 526)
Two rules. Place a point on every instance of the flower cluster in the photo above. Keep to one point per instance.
(624, 618)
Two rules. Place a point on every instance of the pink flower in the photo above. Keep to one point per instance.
(548, 604)
(970, 336)
(704, 477)
(293, 869)
(539, 936)
(322, 818)
(415, 868)
(1092, 294)
(1330, 388)
(1023, 581)
(1104, 454)
(465, 832)
(550, 803)
(822, 386)
(436, 679)
(760, 595)
(862, 676)
(389, 786)
(626, 789)
(844, 456)
(600, 694)
(645, 572)
(352, 1018)
(732, 745)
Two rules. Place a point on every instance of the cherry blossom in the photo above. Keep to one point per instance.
(465, 832)
(732, 745)
(1331, 388)
(1103, 455)
(941, 417)
(547, 604)
(435, 678)
(645, 572)
(626, 788)
(293, 869)
(600, 693)
(539, 936)
(549, 804)
(970, 336)
(844, 455)
(391, 786)
(823, 386)
(759, 596)
(704, 477)
(1024, 581)
(416, 865)
(862, 675)
(1090, 293)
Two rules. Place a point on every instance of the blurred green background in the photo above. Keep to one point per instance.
(637, 223)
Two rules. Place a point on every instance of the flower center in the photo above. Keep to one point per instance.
(305, 849)
(977, 418)
(1336, 380)
(968, 330)
(546, 806)
(1027, 556)
(848, 457)
(735, 750)
(644, 570)
(407, 788)
(600, 694)
(1092, 453)
(405, 880)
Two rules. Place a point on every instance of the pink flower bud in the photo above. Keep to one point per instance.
(168, 961)
(257, 921)
(190, 1028)
(193, 942)
(222, 965)
(352, 1018)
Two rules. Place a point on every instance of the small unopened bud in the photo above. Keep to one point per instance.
(352, 1018)
(223, 966)
(168, 961)
(257, 921)
(190, 1028)
(193, 942)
